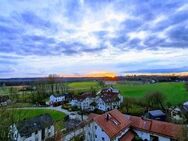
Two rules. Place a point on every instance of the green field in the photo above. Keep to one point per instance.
(21, 114)
(84, 85)
(29, 113)
(175, 93)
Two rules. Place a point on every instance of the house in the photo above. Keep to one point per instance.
(113, 125)
(110, 89)
(84, 101)
(154, 130)
(108, 102)
(4, 100)
(106, 127)
(176, 115)
(56, 99)
(157, 115)
(38, 128)
(108, 99)
(185, 106)
(68, 97)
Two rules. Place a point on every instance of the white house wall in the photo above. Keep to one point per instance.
(56, 99)
(91, 131)
(146, 135)
(85, 104)
(121, 134)
(143, 135)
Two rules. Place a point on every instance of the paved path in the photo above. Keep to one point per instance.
(72, 134)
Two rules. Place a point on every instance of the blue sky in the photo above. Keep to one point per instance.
(44, 37)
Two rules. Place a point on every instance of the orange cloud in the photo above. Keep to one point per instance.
(91, 74)
(101, 74)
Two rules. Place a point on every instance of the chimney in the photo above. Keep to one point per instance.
(107, 117)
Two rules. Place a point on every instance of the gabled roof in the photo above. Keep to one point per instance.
(155, 126)
(27, 127)
(109, 97)
(117, 122)
(84, 96)
(112, 122)
(109, 90)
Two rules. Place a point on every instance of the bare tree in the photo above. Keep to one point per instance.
(127, 103)
(154, 99)
(13, 93)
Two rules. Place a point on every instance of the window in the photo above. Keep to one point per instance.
(102, 138)
(49, 133)
(95, 127)
(95, 136)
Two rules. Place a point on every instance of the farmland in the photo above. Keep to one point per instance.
(174, 93)
(83, 85)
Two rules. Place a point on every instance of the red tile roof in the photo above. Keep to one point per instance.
(114, 125)
(154, 126)
(118, 122)
(129, 136)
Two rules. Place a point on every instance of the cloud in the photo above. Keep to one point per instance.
(57, 36)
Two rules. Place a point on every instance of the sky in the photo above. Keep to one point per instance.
(38, 38)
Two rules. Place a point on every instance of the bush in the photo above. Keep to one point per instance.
(78, 138)
(74, 108)
(66, 106)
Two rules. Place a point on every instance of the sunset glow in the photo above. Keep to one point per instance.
(102, 74)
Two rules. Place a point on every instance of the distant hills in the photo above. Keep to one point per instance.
(168, 70)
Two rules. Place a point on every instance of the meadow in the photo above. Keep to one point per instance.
(174, 92)
(83, 85)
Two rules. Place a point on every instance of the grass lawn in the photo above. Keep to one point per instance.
(175, 93)
(58, 117)
(84, 85)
